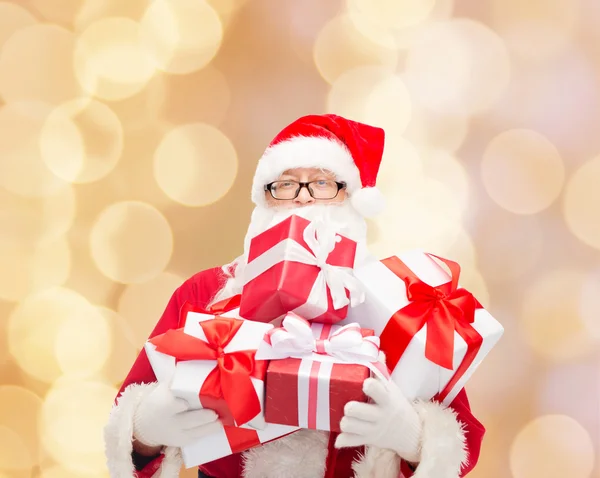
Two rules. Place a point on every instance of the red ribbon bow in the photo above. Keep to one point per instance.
(227, 389)
(445, 309)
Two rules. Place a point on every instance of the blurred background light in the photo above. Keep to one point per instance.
(552, 446)
(195, 164)
(110, 59)
(129, 135)
(552, 304)
(81, 141)
(131, 242)
(471, 74)
(35, 65)
(72, 417)
(339, 47)
(181, 36)
(582, 203)
(522, 171)
(148, 299)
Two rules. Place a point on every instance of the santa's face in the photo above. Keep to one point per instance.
(313, 194)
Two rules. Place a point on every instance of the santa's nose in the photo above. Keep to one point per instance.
(304, 198)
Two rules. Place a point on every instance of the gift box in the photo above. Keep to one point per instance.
(434, 332)
(210, 362)
(300, 266)
(315, 369)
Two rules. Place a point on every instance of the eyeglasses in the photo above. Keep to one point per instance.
(288, 190)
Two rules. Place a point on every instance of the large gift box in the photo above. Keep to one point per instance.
(210, 362)
(434, 332)
(300, 266)
(315, 370)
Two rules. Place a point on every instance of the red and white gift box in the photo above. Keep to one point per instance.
(315, 369)
(434, 333)
(303, 267)
(210, 362)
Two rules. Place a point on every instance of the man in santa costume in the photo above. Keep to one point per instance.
(319, 166)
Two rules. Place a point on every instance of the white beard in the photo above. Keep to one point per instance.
(341, 216)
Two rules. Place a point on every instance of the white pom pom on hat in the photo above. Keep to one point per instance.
(350, 150)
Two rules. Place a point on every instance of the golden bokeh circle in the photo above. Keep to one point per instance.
(401, 167)
(437, 130)
(15, 454)
(471, 74)
(590, 303)
(61, 12)
(581, 206)
(424, 215)
(44, 319)
(110, 60)
(22, 170)
(181, 36)
(19, 412)
(522, 171)
(500, 232)
(391, 14)
(448, 169)
(12, 19)
(124, 349)
(389, 106)
(349, 93)
(83, 344)
(339, 48)
(81, 140)
(141, 305)
(131, 242)
(73, 416)
(34, 267)
(536, 30)
(93, 10)
(36, 65)
(551, 320)
(398, 23)
(195, 164)
(552, 446)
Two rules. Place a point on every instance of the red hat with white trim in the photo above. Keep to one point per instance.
(350, 150)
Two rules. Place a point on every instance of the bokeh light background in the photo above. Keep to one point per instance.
(129, 133)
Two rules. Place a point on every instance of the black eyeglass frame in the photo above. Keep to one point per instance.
(340, 185)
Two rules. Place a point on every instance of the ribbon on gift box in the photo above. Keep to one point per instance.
(444, 309)
(230, 380)
(321, 241)
(218, 308)
(295, 339)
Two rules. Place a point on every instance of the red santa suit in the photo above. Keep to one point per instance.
(450, 436)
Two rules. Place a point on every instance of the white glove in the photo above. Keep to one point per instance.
(390, 422)
(161, 419)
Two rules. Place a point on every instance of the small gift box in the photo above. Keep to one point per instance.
(433, 332)
(210, 362)
(315, 370)
(300, 266)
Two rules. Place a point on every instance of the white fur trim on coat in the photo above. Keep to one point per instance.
(443, 449)
(300, 455)
(305, 152)
(118, 436)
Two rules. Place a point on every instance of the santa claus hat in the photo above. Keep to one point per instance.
(350, 150)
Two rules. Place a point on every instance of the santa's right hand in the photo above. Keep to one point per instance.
(161, 419)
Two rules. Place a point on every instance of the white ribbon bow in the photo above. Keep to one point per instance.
(322, 240)
(295, 339)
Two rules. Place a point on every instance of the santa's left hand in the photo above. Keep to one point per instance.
(389, 422)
